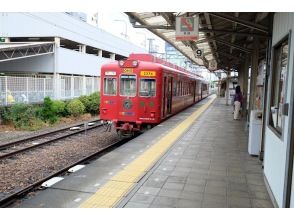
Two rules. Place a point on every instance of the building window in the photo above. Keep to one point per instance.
(109, 86)
(278, 85)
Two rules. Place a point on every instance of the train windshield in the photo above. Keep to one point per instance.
(128, 85)
(147, 87)
(109, 86)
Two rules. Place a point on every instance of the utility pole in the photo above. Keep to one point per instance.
(150, 45)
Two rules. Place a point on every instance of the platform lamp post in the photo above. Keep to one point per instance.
(126, 29)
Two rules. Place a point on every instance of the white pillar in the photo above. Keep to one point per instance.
(100, 53)
(57, 41)
(56, 79)
(84, 91)
(227, 89)
(6, 39)
(72, 84)
(82, 48)
(112, 56)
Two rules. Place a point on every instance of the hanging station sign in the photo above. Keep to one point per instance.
(187, 28)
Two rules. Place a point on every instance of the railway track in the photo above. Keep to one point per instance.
(20, 146)
(9, 199)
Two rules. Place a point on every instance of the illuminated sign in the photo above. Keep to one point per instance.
(128, 70)
(110, 73)
(147, 73)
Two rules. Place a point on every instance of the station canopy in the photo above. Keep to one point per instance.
(223, 38)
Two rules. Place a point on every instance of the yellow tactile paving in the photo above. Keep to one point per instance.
(112, 192)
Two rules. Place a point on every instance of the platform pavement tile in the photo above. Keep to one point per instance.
(191, 195)
(184, 203)
(153, 183)
(149, 190)
(173, 186)
(176, 179)
(259, 195)
(142, 198)
(216, 183)
(196, 181)
(261, 203)
(171, 193)
(164, 202)
(239, 202)
(222, 191)
(194, 188)
(214, 198)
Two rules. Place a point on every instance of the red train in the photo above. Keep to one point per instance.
(144, 90)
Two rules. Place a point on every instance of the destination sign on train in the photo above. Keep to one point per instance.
(128, 70)
(147, 73)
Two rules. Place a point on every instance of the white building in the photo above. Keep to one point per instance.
(54, 54)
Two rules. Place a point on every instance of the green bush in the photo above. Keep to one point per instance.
(91, 103)
(48, 112)
(23, 116)
(75, 107)
(59, 107)
(94, 103)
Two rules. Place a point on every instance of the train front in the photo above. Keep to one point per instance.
(129, 95)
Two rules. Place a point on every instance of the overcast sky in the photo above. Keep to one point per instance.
(106, 21)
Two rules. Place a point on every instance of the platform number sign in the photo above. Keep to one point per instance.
(187, 28)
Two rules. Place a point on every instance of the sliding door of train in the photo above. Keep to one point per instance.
(167, 96)
(193, 89)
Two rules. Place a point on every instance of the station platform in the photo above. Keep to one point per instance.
(197, 158)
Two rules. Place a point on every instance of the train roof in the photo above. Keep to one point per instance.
(148, 58)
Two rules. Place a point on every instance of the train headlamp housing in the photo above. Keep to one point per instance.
(121, 63)
(134, 63)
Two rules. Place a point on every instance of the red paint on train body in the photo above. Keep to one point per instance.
(144, 90)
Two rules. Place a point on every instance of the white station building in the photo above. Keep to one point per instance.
(54, 54)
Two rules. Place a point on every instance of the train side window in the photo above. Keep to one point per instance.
(128, 85)
(147, 87)
(278, 85)
(110, 86)
(175, 88)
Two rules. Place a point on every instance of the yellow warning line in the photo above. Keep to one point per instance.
(120, 184)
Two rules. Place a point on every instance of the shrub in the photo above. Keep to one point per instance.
(91, 103)
(23, 116)
(75, 107)
(94, 103)
(59, 107)
(47, 112)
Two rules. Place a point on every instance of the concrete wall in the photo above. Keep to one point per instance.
(73, 62)
(62, 25)
(275, 147)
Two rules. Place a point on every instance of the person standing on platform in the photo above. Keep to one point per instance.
(238, 99)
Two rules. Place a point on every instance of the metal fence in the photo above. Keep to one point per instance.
(34, 88)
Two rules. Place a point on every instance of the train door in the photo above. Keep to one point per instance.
(201, 89)
(164, 97)
(193, 89)
(169, 95)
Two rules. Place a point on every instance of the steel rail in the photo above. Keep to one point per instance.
(9, 144)
(9, 199)
(3, 156)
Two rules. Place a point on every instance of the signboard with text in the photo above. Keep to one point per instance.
(187, 28)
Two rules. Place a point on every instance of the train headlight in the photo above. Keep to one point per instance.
(121, 63)
(134, 63)
(152, 114)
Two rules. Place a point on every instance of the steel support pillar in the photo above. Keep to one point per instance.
(245, 85)
(227, 88)
(253, 77)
